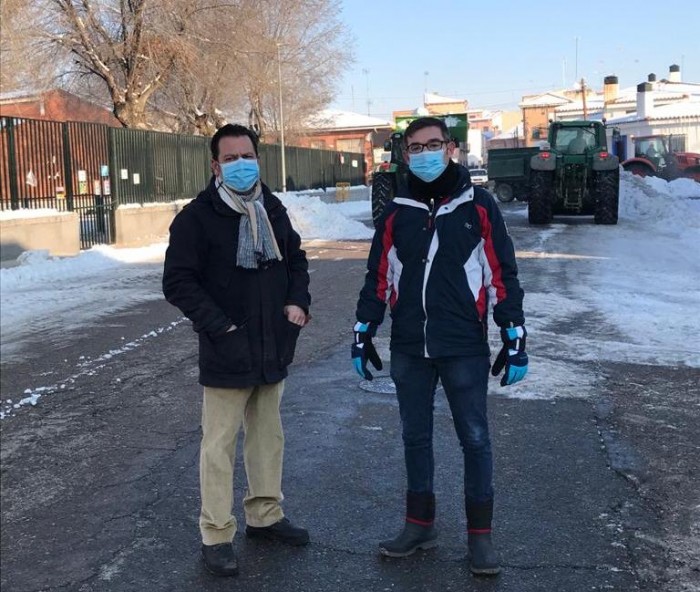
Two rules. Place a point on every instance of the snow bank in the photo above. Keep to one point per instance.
(656, 202)
(314, 219)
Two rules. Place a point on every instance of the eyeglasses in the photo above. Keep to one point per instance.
(432, 146)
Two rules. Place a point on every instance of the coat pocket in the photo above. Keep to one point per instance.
(229, 353)
(288, 343)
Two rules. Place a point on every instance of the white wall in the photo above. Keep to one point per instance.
(476, 146)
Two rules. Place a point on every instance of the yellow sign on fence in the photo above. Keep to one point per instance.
(342, 191)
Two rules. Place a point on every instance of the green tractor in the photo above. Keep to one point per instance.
(574, 175)
(389, 176)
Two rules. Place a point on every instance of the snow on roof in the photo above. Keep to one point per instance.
(514, 132)
(18, 95)
(337, 119)
(591, 103)
(686, 110)
(546, 99)
(436, 99)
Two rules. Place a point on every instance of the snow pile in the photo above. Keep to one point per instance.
(657, 202)
(645, 280)
(314, 219)
(38, 270)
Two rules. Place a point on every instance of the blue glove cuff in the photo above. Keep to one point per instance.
(514, 333)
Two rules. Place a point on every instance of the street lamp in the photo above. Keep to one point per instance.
(284, 164)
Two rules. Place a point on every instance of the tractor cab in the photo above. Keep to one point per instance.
(654, 149)
(653, 156)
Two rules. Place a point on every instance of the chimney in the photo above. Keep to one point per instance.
(610, 88)
(651, 77)
(645, 100)
(674, 73)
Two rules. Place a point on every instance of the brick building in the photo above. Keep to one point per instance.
(345, 131)
(55, 105)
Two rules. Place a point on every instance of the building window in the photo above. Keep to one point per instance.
(355, 145)
(317, 144)
(677, 144)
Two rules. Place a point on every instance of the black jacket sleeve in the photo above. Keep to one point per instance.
(182, 276)
(500, 267)
(375, 294)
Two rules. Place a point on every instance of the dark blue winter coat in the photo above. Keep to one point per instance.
(439, 265)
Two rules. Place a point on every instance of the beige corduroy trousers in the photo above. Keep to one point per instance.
(224, 411)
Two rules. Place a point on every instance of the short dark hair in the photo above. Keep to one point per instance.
(423, 122)
(232, 129)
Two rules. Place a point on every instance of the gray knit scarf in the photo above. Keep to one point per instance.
(256, 240)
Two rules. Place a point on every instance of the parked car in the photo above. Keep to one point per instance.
(479, 176)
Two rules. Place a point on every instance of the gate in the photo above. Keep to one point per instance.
(61, 166)
(89, 182)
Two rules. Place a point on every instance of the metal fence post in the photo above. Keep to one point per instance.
(67, 168)
(12, 164)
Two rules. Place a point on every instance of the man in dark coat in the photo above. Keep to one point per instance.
(441, 255)
(235, 268)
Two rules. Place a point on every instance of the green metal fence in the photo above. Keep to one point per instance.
(92, 168)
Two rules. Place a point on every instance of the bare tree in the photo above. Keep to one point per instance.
(202, 94)
(130, 45)
(313, 49)
(23, 65)
(191, 65)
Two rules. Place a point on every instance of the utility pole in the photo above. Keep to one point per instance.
(583, 96)
(284, 164)
(365, 71)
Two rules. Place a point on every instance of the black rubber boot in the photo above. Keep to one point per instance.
(418, 532)
(412, 538)
(483, 559)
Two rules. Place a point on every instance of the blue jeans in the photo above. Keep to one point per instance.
(465, 381)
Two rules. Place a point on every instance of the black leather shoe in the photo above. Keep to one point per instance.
(283, 532)
(220, 559)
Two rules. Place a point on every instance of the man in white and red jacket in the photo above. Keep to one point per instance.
(441, 256)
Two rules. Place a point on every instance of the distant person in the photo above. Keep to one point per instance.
(579, 144)
(441, 254)
(652, 153)
(235, 268)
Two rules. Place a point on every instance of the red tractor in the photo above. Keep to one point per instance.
(653, 157)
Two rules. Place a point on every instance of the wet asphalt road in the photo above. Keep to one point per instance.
(99, 481)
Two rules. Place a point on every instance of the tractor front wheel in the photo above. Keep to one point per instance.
(383, 191)
(607, 194)
(504, 192)
(539, 207)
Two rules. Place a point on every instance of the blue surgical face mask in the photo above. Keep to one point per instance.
(427, 165)
(240, 174)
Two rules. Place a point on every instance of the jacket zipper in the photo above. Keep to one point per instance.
(431, 221)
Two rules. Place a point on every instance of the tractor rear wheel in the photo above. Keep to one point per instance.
(639, 169)
(607, 194)
(383, 191)
(504, 192)
(539, 207)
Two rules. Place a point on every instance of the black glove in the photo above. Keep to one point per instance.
(512, 356)
(363, 350)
